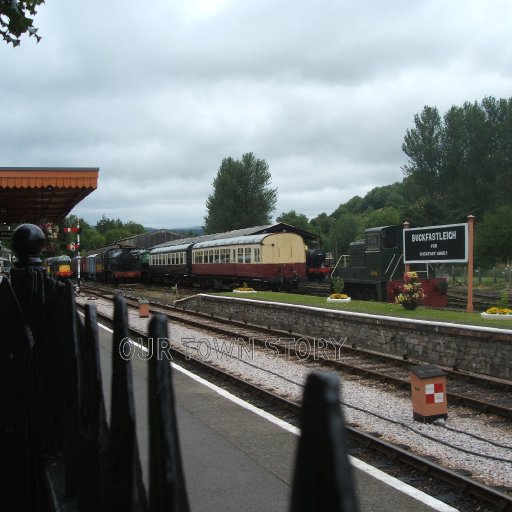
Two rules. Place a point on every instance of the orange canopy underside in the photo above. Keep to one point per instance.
(40, 195)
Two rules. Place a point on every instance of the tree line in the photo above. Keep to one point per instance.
(103, 233)
(457, 164)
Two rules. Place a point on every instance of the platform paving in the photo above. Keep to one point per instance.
(234, 459)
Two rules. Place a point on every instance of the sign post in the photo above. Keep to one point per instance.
(407, 266)
(471, 226)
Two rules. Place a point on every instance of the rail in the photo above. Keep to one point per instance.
(59, 452)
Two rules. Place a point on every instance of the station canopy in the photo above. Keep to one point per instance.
(41, 195)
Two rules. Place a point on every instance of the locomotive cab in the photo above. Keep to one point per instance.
(374, 260)
(383, 252)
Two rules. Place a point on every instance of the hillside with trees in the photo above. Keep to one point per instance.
(458, 164)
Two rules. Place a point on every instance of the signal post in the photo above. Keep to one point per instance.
(75, 246)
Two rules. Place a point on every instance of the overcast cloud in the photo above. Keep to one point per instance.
(157, 93)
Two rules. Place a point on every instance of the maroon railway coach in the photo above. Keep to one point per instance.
(277, 260)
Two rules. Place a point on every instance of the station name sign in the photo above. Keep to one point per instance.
(436, 244)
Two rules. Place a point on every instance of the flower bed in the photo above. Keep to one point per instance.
(338, 297)
(244, 290)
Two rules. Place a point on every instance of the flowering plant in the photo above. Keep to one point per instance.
(411, 294)
(338, 284)
(499, 311)
(244, 288)
(338, 296)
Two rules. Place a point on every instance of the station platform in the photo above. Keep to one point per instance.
(237, 458)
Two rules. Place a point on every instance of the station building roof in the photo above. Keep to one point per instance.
(43, 194)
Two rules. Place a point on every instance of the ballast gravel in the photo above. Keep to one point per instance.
(479, 445)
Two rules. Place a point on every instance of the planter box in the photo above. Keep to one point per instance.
(490, 316)
(348, 299)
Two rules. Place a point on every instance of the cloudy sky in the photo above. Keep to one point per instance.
(157, 93)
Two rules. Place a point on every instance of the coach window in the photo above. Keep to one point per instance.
(240, 257)
(247, 258)
(257, 257)
(373, 242)
(216, 256)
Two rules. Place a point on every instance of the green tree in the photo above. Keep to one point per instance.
(298, 220)
(347, 228)
(493, 237)
(423, 144)
(15, 20)
(105, 224)
(115, 229)
(134, 228)
(459, 164)
(241, 196)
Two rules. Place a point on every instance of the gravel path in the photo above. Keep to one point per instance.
(371, 406)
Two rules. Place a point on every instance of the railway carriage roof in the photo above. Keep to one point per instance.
(239, 240)
(380, 228)
(279, 227)
(170, 248)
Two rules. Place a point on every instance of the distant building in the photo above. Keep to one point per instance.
(150, 239)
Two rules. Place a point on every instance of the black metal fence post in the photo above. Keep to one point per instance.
(18, 455)
(323, 475)
(167, 482)
(125, 490)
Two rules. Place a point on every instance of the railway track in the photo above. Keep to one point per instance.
(481, 393)
(362, 441)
